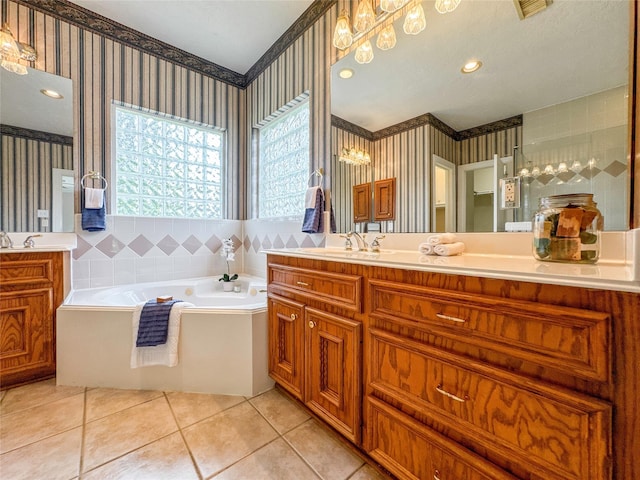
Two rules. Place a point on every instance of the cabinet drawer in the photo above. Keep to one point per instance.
(573, 341)
(25, 272)
(413, 451)
(341, 290)
(549, 429)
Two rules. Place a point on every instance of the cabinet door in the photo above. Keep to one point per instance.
(26, 336)
(362, 202)
(286, 344)
(333, 382)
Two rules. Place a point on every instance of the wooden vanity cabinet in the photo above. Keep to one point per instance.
(477, 378)
(314, 347)
(32, 286)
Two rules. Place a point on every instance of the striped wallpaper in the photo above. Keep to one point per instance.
(407, 156)
(104, 70)
(25, 177)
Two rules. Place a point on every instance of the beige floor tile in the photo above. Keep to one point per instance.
(367, 472)
(282, 413)
(164, 459)
(27, 396)
(53, 458)
(36, 423)
(276, 461)
(190, 408)
(227, 437)
(125, 431)
(326, 455)
(105, 401)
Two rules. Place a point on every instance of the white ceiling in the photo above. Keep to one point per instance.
(571, 49)
(231, 33)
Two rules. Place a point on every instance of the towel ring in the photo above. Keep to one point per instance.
(317, 173)
(94, 176)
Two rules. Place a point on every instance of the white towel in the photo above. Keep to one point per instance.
(449, 249)
(93, 197)
(310, 197)
(442, 238)
(426, 248)
(166, 354)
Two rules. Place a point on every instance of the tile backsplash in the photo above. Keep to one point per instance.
(145, 249)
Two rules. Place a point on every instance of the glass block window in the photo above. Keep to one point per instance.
(166, 167)
(283, 163)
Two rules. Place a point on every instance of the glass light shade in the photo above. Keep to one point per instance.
(14, 67)
(576, 166)
(342, 36)
(446, 6)
(364, 53)
(365, 18)
(354, 157)
(535, 172)
(391, 5)
(415, 21)
(386, 38)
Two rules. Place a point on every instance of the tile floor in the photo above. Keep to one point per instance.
(51, 432)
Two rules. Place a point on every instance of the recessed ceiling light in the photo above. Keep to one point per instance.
(471, 67)
(51, 94)
(346, 73)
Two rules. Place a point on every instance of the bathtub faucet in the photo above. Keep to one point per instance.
(5, 241)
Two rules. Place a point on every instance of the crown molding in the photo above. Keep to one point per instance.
(29, 134)
(103, 26)
(497, 126)
(347, 126)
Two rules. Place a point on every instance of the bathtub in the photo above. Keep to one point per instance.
(222, 347)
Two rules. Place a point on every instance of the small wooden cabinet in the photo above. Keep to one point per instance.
(462, 377)
(32, 286)
(313, 353)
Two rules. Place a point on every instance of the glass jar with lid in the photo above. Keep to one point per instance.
(566, 228)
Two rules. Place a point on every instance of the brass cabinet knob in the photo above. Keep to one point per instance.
(293, 316)
(312, 324)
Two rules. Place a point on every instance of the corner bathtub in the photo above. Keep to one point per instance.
(222, 347)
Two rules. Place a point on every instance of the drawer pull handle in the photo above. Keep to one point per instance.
(293, 316)
(312, 324)
(449, 317)
(440, 390)
(303, 284)
(436, 475)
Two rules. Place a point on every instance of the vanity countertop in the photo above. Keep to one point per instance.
(37, 249)
(609, 275)
(44, 242)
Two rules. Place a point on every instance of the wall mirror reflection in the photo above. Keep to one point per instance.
(36, 167)
(551, 95)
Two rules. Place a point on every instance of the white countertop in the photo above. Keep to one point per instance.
(607, 274)
(45, 242)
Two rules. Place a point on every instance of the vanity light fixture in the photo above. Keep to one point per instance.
(346, 73)
(365, 20)
(52, 94)
(415, 22)
(471, 66)
(12, 51)
(446, 6)
(354, 157)
(364, 53)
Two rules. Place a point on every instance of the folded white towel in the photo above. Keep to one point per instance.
(310, 197)
(93, 197)
(166, 354)
(426, 248)
(449, 249)
(442, 238)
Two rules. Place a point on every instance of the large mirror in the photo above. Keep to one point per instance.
(548, 105)
(36, 167)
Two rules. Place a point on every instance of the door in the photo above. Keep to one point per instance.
(333, 383)
(443, 213)
(286, 344)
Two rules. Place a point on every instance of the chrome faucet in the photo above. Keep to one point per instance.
(29, 242)
(360, 240)
(5, 241)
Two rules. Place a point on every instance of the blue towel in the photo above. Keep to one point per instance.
(94, 219)
(313, 221)
(154, 323)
